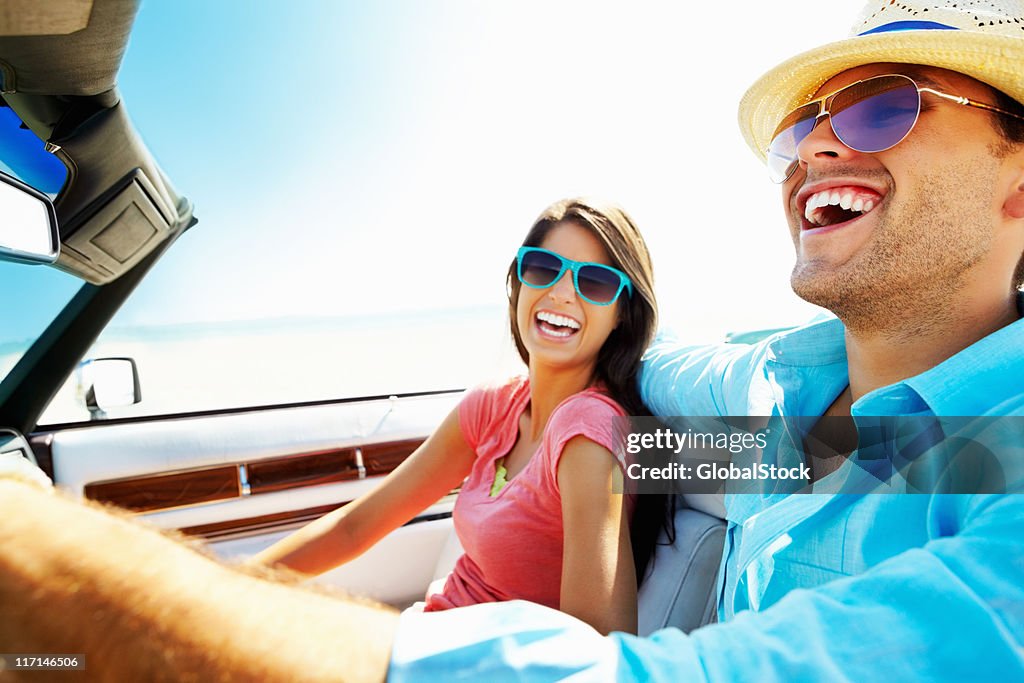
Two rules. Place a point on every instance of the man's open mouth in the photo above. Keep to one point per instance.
(557, 325)
(838, 205)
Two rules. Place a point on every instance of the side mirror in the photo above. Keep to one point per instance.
(107, 383)
(28, 224)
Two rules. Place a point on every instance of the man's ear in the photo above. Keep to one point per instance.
(1014, 203)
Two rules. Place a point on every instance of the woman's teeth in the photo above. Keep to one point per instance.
(557, 325)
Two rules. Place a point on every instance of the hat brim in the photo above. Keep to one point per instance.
(997, 60)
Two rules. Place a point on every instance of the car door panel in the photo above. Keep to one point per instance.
(241, 480)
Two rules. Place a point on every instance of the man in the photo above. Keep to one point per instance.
(905, 197)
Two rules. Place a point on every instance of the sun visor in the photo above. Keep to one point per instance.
(59, 78)
(122, 227)
(34, 18)
(122, 209)
(63, 47)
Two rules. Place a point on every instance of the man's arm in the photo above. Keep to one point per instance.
(77, 579)
(690, 380)
(950, 611)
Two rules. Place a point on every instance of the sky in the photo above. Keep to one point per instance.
(354, 158)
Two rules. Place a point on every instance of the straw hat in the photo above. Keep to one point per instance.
(983, 39)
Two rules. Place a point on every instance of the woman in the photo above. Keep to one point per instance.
(536, 514)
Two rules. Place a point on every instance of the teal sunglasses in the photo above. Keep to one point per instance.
(596, 283)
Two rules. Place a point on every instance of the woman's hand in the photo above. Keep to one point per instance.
(435, 468)
(598, 576)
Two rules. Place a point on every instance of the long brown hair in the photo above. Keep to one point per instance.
(619, 358)
(618, 361)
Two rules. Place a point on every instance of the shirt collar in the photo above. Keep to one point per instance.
(970, 382)
(973, 381)
(806, 368)
(817, 343)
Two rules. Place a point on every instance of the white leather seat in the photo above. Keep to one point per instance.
(680, 586)
(450, 552)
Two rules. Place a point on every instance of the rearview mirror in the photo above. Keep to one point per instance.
(28, 224)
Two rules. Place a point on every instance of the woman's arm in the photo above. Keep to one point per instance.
(598, 576)
(434, 469)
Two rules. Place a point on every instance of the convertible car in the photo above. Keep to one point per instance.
(91, 215)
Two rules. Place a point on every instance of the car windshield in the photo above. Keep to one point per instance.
(32, 296)
(363, 174)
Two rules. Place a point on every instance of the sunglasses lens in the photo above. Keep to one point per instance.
(870, 116)
(875, 114)
(782, 156)
(539, 269)
(600, 285)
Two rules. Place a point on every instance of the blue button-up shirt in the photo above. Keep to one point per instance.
(812, 587)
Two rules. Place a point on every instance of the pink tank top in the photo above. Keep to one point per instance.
(513, 541)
